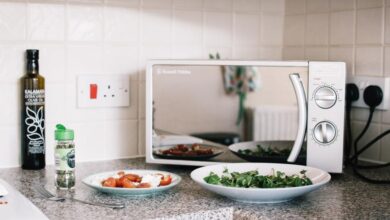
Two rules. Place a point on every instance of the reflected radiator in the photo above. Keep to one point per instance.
(266, 123)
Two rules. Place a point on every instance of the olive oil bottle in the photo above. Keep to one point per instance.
(33, 114)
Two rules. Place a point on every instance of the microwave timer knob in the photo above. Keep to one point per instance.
(324, 132)
(325, 97)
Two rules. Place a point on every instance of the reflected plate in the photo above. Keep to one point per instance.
(261, 195)
(216, 151)
(252, 145)
(94, 181)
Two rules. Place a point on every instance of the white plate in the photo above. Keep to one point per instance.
(95, 180)
(260, 195)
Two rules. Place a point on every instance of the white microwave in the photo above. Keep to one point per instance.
(202, 112)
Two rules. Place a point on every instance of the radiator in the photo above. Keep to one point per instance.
(267, 123)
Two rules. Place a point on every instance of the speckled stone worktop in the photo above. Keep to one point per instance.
(345, 197)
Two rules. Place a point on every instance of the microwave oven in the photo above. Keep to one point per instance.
(290, 111)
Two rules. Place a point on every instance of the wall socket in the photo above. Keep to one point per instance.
(103, 91)
(363, 82)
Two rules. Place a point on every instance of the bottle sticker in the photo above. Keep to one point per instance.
(65, 159)
(35, 120)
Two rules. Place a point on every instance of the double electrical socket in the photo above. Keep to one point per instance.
(362, 82)
(103, 91)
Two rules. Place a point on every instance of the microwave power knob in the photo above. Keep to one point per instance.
(325, 97)
(324, 132)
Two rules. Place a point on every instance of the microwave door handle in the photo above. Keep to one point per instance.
(302, 109)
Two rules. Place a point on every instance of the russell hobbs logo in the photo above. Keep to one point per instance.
(173, 71)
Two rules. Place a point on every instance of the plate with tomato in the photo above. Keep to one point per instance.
(132, 182)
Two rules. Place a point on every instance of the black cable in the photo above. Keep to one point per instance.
(354, 158)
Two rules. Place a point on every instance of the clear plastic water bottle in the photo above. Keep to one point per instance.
(64, 158)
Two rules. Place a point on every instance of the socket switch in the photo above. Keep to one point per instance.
(363, 82)
(103, 91)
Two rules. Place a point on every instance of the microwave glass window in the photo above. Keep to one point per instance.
(199, 111)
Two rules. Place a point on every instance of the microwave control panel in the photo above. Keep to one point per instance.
(325, 127)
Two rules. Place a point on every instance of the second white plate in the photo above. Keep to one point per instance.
(261, 195)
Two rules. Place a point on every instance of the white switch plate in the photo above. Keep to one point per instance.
(363, 82)
(112, 91)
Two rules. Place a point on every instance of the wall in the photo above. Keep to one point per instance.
(117, 37)
(354, 31)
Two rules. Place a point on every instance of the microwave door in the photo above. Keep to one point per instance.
(302, 118)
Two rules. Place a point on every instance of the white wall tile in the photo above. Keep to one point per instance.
(187, 52)
(247, 5)
(342, 28)
(344, 54)
(317, 6)
(369, 3)
(387, 26)
(187, 27)
(341, 5)
(83, 59)
(141, 137)
(294, 30)
(10, 147)
(373, 152)
(387, 61)
(121, 24)
(119, 59)
(243, 53)
(124, 136)
(218, 28)
(157, 25)
(316, 53)
(55, 110)
(246, 29)
(271, 53)
(368, 61)
(141, 100)
(218, 5)
(295, 7)
(317, 29)
(10, 96)
(12, 21)
(361, 114)
(273, 5)
(46, 22)
(224, 52)
(12, 64)
(90, 141)
(272, 29)
(369, 26)
(156, 4)
(85, 23)
(131, 3)
(293, 53)
(188, 4)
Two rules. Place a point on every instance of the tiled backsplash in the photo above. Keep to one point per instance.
(355, 31)
(117, 37)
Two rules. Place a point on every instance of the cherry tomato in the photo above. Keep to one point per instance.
(110, 182)
(166, 180)
(119, 181)
(121, 173)
(144, 185)
(128, 184)
(133, 177)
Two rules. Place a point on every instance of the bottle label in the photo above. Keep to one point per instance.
(35, 120)
(65, 159)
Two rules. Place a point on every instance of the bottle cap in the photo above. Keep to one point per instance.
(62, 133)
(32, 54)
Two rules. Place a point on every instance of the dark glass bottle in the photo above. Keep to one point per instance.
(33, 115)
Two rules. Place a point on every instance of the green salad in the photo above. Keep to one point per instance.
(252, 179)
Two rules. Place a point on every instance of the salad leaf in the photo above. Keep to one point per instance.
(252, 179)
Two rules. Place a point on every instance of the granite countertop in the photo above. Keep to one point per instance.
(345, 197)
